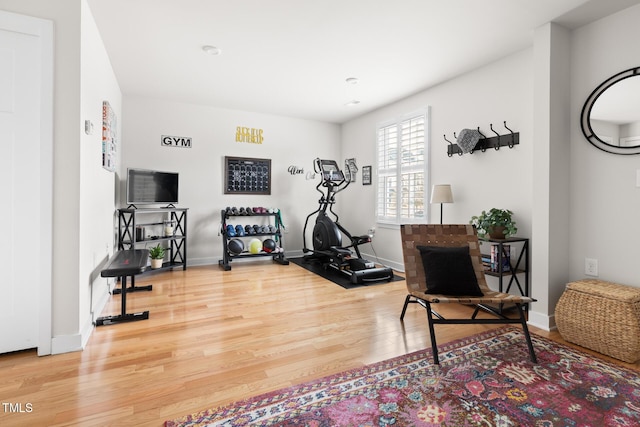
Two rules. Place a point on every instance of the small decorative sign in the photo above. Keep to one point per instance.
(295, 170)
(175, 141)
(250, 135)
(366, 175)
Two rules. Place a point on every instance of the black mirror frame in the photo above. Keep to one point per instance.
(585, 123)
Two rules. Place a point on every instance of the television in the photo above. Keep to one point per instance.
(146, 187)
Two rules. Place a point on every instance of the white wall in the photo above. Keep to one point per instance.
(585, 201)
(550, 213)
(604, 198)
(97, 185)
(287, 142)
(501, 91)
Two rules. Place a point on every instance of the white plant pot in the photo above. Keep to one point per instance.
(156, 263)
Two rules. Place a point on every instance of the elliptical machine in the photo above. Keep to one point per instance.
(327, 233)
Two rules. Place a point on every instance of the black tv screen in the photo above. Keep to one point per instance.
(151, 187)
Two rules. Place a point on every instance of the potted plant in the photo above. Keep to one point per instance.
(157, 256)
(497, 223)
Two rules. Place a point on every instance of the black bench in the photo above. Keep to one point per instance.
(123, 264)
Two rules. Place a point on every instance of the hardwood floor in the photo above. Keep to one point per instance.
(212, 338)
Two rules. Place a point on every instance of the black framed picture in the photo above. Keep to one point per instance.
(245, 175)
(366, 175)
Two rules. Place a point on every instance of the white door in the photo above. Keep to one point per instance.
(25, 174)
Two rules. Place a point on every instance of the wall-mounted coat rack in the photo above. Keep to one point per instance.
(484, 143)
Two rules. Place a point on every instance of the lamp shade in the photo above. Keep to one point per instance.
(441, 194)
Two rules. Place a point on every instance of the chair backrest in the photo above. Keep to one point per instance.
(443, 235)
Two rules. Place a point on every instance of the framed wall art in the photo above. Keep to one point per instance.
(109, 137)
(366, 175)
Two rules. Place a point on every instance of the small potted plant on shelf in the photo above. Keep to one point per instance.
(497, 223)
(157, 256)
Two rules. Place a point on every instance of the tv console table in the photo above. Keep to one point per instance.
(133, 232)
(122, 264)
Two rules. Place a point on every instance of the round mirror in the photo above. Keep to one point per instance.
(610, 117)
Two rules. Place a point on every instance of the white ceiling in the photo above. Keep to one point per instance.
(292, 57)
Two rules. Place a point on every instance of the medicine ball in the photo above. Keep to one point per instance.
(255, 246)
(236, 246)
(269, 245)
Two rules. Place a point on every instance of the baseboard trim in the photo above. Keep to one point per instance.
(66, 344)
(296, 254)
(542, 321)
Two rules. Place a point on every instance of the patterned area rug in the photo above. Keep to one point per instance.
(485, 380)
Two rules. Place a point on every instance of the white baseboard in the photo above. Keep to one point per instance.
(542, 321)
(294, 254)
(398, 266)
(77, 342)
(66, 343)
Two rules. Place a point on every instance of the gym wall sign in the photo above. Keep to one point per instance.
(250, 135)
(175, 141)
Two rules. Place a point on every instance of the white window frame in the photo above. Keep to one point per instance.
(398, 218)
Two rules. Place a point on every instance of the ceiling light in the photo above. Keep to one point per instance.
(352, 80)
(212, 50)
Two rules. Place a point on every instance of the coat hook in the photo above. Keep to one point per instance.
(497, 147)
(513, 138)
(484, 146)
(450, 151)
(456, 138)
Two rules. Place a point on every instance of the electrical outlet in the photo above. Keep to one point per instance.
(591, 267)
(371, 232)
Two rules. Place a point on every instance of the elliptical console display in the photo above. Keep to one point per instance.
(328, 248)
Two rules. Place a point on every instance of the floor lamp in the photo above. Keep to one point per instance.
(441, 194)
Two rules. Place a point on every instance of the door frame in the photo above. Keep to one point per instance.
(43, 30)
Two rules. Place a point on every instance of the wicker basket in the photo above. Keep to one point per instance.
(601, 316)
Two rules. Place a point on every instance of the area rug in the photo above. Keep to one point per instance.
(484, 380)
(335, 276)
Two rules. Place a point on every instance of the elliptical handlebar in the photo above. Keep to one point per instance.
(331, 176)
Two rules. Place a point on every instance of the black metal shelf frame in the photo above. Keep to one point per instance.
(177, 244)
(228, 256)
(520, 267)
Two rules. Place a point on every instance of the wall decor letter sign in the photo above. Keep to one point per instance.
(175, 141)
(250, 135)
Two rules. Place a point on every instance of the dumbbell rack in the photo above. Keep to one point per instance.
(228, 256)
